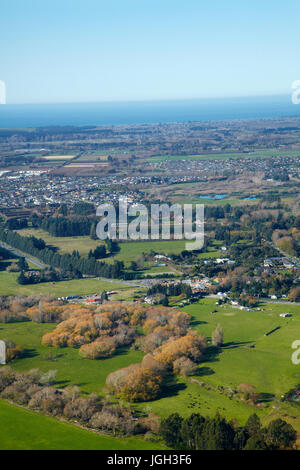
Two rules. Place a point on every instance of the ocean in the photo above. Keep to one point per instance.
(113, 113)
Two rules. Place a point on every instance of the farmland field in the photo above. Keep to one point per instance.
(59, 157)
(10, 286)
(65, 244)
(246, 357)
(89, 375)
(22, 429)
(128, 250)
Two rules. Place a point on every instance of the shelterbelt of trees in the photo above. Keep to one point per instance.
(36, 390)
(199, 433)
(71, 263)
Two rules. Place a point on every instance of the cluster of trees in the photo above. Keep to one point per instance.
(83, 208)
(64, 226)
(245, 287)
(98, 253)
(199, 433)
(13, 309)
(4, 254)
(35, 390)
(16, 224)
(98, 331)
(73, 264)
(46, 275)
(13, 351)
(171, 289)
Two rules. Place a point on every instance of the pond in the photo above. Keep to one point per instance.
(214, 196)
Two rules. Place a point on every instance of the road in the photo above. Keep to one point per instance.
(18, 253)
(291, 258)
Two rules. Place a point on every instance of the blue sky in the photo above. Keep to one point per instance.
(113, 50)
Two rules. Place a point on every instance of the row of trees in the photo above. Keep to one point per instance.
(64, 226)
(170, 289)
(71, 263)
(35, 390)
(199, 433)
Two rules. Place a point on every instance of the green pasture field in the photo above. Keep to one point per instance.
(23, 429)
(211, 253)
(128, 250)
(267, 365)
(65, 244)
(10, 286)
(89, 375)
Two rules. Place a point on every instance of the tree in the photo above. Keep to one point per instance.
(22, 279)
(140, 260)
(294, 294)
(141, 385)
(218, 434)
(240, 438)
(170, 430)
(253, 425)
(191, 430)
(93, 234)
(279, 434)
(23, 265)
(98, 349)
(104, 296)
(133, 266)
(255, 443)
(217, 336)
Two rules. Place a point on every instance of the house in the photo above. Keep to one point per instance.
(150, 300)
(222, 295)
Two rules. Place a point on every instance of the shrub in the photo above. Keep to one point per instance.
(184, 366)
(141, 385)
(83, 408)
(98, 349)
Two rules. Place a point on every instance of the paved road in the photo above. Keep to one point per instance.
(18, 253)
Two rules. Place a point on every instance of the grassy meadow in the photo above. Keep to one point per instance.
(22, 429)
(246, 357)
(10, 286)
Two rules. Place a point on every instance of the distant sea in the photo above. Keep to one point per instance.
(109, 113)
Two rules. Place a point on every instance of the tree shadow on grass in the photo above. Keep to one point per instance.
(235, 344)
(118, 352)
(4, 265)
(202, 371)
(195, 322)
(171, 387)
(62, 383)
(53, 248)
(211, 354)
(28, 353)
(266, 397)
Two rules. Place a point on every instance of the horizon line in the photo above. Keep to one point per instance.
(155, 100)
